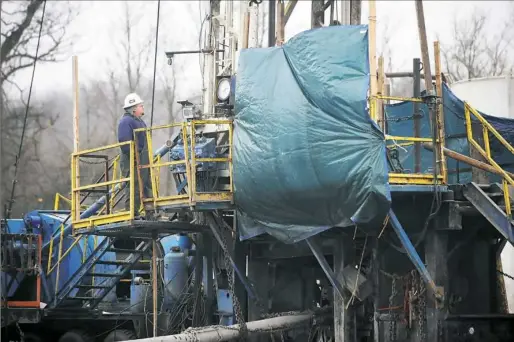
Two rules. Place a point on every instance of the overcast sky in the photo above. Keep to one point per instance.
(97, 30)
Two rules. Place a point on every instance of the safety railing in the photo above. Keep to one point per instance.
(154, 167)
(205, 195)
(485, 151)
(21, 253)
(105, 213)
(395, 143)
(191, 163)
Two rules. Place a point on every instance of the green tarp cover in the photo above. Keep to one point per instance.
(307, 157)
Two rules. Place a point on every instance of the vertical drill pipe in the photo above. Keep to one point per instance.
(271, 23)
(416, 92)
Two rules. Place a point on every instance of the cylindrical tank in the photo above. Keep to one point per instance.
(175, 276)
(493, 96)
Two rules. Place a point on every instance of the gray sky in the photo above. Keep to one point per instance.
(97, 30)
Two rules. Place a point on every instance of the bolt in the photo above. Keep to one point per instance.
(471, 330)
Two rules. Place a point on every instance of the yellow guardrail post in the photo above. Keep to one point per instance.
(193, 165)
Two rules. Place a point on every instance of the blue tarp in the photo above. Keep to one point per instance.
(400, 123)
(307, 157)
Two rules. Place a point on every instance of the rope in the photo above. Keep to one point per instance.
(155, 60)
(13, 189)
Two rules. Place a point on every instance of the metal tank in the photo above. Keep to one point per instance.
(493, 96)
(175, 276)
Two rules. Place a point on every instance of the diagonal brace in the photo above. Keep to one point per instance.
(242, 277)
(316, 250)
(413, 254)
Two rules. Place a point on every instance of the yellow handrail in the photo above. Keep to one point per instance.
(412, 178)
(486, 150)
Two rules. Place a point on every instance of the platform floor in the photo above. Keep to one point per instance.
(144, 228)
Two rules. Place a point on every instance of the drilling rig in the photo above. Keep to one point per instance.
(307, 204)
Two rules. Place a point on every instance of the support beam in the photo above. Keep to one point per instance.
(291, 4)
(341, 314)
(355, 11)
(220, 333)
(272, 10)
(316, 250)
(413, 254)
(280, 34)
(154, 284)
(317, 13)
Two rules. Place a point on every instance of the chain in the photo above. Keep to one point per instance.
(422, 305)
(406, 118)
(230, 275)
(392, 318)
(22, 335)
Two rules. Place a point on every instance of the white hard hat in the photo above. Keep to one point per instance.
(132, 99)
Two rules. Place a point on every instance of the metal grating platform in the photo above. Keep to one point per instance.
(143, 228)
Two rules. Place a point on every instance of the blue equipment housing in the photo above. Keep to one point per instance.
(204, 148)
(48, 225)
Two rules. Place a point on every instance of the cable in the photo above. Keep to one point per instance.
(13, 189)
(155, 60)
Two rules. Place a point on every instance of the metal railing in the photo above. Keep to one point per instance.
(105, 215)
(155, 165)
(416, 177)
(485, 151)
(190, 162)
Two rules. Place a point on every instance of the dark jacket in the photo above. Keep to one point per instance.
(126, 127)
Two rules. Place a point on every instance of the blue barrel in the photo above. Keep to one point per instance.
(175, 276)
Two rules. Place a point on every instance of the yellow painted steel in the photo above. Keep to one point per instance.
(486, 152)
(188, 134)
(411, 178)
(154, 165)
(76, 189)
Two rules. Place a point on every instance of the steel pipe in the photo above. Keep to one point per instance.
(222, 333)
(465, 159)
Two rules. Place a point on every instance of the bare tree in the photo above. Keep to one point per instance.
(21, 23)
(128, 68)
(473, 52)
(20, 31)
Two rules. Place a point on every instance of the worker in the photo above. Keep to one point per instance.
(131, 120)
